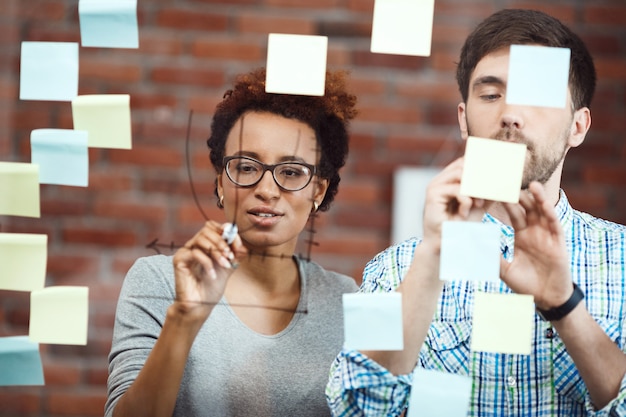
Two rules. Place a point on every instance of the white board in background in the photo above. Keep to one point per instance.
(409, 193)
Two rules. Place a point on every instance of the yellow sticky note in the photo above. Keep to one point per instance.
(402, 27)
(23, 261)
(503, 323)
(59, 315)
(19, 189)
(296, 64)
(493, 169)
(106, 117)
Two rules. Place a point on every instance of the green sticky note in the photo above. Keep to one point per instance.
(19, 189)
(23, 260)
(493, 169)
(59, 315)
(503, 323)
(106, 118)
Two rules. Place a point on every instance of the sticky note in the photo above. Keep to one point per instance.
(470, 251)
(436, 393)
(538, 76)
(373, 321)
(402, 27)
(23, 261)
(62, 156)
(59, 315)
(20, 362)
(19, 189)
(106, 118)
(296, 64)
(502, 323)
(493, 169)
(108, 23)
(49, 71)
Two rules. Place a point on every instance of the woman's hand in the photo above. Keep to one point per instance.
(201, 268)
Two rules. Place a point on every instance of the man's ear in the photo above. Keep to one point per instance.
(580, 126)
(462, 117)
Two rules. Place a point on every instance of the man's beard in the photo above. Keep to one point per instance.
(537, 167)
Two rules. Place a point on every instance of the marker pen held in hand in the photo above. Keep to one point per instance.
(228, 234)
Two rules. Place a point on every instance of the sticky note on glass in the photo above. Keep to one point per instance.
(49, 71)
(59, 315)
(108, 23)
(296, 64)
(62, 156)
(106, 118)
(20, 362)
(435, 393)
(502, 323)
(373, 321)
(538, 76)
(19, 189)
(493, 169)
(402, 27)
(23, 261)
(469, 251)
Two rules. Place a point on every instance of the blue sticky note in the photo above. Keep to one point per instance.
(538, 76)
(373, 321)
(108, 23)
(49, 71)
(62, 156)
(20, 362)
(435, 393)
(469, 251)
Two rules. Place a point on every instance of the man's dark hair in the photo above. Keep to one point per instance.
(522, 27)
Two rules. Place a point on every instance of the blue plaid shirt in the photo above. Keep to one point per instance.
(544, 383)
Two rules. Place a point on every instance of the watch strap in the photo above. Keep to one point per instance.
(564, 309)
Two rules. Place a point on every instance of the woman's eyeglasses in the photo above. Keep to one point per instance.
(289, 176)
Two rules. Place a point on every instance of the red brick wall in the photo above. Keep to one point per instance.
(190, 50)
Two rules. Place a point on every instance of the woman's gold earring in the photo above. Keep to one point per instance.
(220, 203)
(316, 205)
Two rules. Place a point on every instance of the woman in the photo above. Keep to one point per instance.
(243, 328)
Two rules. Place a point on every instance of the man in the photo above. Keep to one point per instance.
(577, 364)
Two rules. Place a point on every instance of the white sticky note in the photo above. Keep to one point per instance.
(538, 76)
(59, 315)
(62, 156)
(402, 27)
(49, 71)
(106, 118)
(108, 23)
(470, 251)
(20, 362)
(19, 189)
(23, 261)
(493, 169)
(435, 393)
(296, 64)
(503, 323)
(373, 321)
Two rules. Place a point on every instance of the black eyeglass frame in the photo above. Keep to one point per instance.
(271, 168)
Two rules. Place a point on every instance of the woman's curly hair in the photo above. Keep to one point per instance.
(327, 115)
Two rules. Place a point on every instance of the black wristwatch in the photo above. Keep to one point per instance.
(563, 310)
